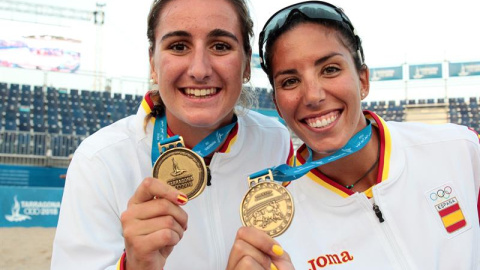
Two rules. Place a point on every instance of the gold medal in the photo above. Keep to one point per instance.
(267, 206)
(181, 168)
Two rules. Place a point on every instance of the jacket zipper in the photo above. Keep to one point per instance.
(397, 253)
(378, 213)
(215, 231)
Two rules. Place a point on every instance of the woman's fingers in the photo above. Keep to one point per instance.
(154, 188)
(253, 248)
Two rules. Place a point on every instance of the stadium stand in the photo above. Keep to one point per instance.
(43, 127)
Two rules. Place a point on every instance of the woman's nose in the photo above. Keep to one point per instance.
(200, 67)
(314, 93)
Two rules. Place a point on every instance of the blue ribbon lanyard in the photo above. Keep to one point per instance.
(285, 173)
(203, 148)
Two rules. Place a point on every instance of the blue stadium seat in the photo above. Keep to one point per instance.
(67, 128)
(53, 128)
(74, 93)
(52, 121)
(105, 122)
(26, 95)
(24, 119)
(80, 130)
(3, 87)
(14, 90)
(10, 125)
(92, 125)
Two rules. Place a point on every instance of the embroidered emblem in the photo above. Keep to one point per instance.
(448, 207)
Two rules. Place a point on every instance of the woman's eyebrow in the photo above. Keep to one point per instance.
(325, 58)
(179, 33)
(222, 33)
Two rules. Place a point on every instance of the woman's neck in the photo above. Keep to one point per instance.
(192, 135)
(346, 171)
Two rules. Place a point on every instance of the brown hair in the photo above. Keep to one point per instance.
(246, 25)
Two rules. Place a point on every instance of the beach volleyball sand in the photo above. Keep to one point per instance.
(26, 248)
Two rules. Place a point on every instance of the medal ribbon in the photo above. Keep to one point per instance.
(285, 173)
(203, 148)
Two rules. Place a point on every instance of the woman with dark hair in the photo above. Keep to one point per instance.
(119, 195)
(368, 194)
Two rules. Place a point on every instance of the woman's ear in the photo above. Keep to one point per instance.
(247, 73)
(153, 73)
(364, 76)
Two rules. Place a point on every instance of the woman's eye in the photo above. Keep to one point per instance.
(289, 83)
(330, 69)
(221, 46)
(178, 47)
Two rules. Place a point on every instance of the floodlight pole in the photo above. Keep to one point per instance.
(98, 20)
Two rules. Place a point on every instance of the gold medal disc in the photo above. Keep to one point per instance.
(267, 206)
(182, 169)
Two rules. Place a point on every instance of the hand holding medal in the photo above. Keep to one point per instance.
(269, 206)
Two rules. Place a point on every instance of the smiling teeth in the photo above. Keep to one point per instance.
(200, 92)
(321, 122)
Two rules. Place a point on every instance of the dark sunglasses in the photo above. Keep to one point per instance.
(313, 10)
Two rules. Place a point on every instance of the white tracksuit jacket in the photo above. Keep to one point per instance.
(427, 192)
(109, 165)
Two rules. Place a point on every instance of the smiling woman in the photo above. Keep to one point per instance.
(406, 192)
(188, 134)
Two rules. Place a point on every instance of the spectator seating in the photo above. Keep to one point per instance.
(36, 120)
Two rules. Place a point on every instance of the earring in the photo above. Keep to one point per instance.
(363, 95)
(245, 80)
(153, 85)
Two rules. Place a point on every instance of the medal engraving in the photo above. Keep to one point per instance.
(183, 169)
(269, 207)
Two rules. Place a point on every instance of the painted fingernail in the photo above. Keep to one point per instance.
(278, 250)
(273, 267)
(182, 199)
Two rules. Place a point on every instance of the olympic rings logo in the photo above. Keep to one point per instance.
(441, 193)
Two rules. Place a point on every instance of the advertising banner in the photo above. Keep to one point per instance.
(464, 69)
(29, 206)
(386, 74)
(429, 71)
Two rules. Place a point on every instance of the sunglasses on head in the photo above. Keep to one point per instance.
(312, 10)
